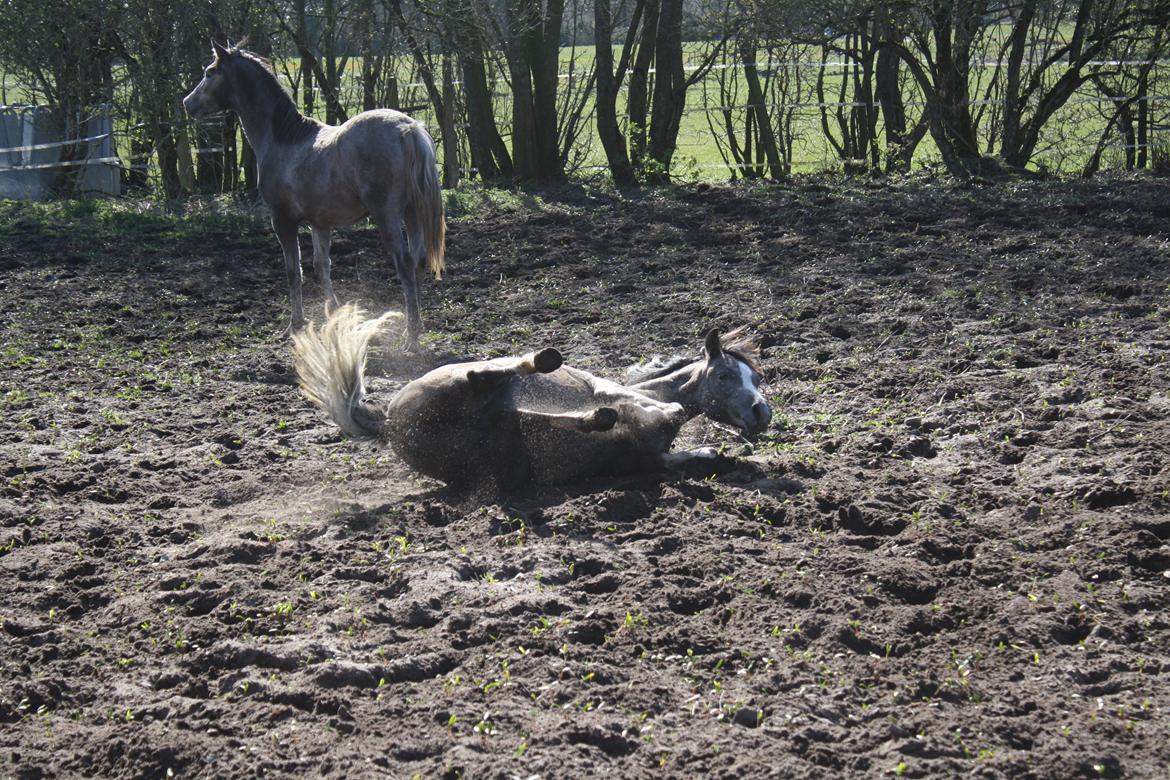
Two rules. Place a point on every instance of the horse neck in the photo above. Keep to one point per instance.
(260, 103)
(672, 388)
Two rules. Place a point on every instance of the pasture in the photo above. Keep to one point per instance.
(950, 555)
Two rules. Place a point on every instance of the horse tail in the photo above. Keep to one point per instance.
(424, 195)
(331, 363)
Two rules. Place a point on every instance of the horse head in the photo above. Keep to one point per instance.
(212, 95)
(225, 77)
(726, 385)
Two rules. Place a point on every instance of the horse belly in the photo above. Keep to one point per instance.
(443, 429)
(563, 390)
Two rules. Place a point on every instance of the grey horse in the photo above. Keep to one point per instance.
(379, 164)
(506, 422)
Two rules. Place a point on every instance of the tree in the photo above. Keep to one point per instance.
(533, 51)
(1047, 63)
(62, 53)
(469, 26)
(609, 83)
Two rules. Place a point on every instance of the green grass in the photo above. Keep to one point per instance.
(149, 224)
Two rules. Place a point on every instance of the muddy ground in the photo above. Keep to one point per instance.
(949, 557)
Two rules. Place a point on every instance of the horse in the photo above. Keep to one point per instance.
(507, 422)
(379, 164)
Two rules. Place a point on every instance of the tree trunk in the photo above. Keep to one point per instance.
(231, 165)
(525, 158)
(208, 165)
(1013, 105)
(544, 60)
(1143, 119)
(608, 129)
(669, 96)
(480, 122)
(759, 110)
(889, 96)
(489, 153)
(302, 41)
(447, 126)
(951, 123)
(168, 161)
(251, 174)
(371, 63)
(637, 98)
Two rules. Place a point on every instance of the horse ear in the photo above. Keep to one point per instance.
(713, 347)
(219, 51)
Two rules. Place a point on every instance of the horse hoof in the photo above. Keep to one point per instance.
(604, 418)
(547, 361)
(410, 343)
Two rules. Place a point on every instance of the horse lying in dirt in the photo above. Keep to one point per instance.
(503, 423)
(380, 164)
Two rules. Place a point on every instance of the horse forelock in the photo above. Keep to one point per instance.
(740, 345)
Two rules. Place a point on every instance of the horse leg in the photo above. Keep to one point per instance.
(543, 362)
(601, 419)
(322, 237)
(414, 239)
(286, 234)
(676, 459)
(388, 218)
(644, 412)
(651, 427)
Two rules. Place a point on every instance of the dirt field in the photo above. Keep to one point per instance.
(950, 556)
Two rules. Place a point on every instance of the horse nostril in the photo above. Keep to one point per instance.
(763, 413)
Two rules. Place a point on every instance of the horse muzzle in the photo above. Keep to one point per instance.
(196, 107)
(760, 419)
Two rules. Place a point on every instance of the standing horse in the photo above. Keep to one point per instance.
(379, 164)
(509, 421)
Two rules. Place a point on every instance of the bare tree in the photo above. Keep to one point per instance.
(62, 53)
(609, 83)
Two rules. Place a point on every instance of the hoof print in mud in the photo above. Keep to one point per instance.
(608, 742)
(751, 717)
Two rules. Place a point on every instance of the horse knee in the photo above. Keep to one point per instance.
(604, 418)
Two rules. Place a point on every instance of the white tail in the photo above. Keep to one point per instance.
(331, 364)
(424, 195)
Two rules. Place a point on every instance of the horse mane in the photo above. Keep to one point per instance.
(288, 124)
(735, 343)
(655, 367)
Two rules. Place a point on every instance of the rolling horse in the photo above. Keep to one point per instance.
(380, 164)
(510, 421)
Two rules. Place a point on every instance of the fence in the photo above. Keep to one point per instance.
(32, 150)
